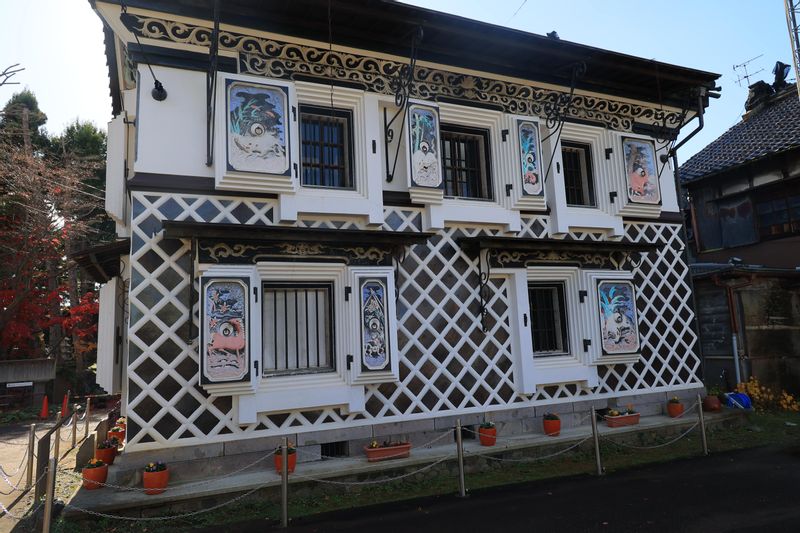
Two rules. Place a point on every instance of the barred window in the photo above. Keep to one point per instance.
(548, 319)
(578, 179)
(466, 162)
(326, 147)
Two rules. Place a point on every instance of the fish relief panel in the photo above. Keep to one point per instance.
(618, 323)
(423, 127)
(224, 337)
(640, 171)
(257, 139)
(530, 166)
(374, 338)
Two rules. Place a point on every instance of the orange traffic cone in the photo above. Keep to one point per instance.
(65, 406)
(44, 414)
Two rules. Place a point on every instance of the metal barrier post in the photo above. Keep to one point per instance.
(57, 443)
(285, 483)
(462, 490)
(702, 424)
(74, 425)
(48, 502)
(31, 453)
(87, 417)
(596, 436)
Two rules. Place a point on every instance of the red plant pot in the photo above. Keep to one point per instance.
(552, 428)
(291, 462)
(92, 477)
(155, 482)
(106, 455)
(675, 409)
(487, 436)
(387, 452)
(119, 435)
(712, 403)
(622, 420)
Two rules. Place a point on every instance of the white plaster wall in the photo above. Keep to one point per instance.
(172, 134)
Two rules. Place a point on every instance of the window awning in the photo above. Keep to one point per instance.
(473, 245)
(102, 262)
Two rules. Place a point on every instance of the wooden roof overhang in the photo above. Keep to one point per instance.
(474, 244)
(102, 262)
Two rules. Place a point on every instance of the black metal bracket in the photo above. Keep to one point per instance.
(509, 187)
(504, 133)
(484, 273)
(349, 361)
(555, 112)
(609, 151)
(255, 293)
(402, 85)
(586, 344)
(211, 86)
(582, 295)
(348, 290)
(612, 196)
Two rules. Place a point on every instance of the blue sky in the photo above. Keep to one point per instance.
(65, 63)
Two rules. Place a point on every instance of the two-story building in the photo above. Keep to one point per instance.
(743, 203)
(363, 219)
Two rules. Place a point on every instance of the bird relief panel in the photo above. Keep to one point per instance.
(529, 158)
(423, 127)
(641, 171)
(257, 134)
(224, 345)
(374, 334)
(619, 326)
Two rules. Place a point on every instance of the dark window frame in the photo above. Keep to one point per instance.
(560, 324)
(783, 194)
(484, 180)
(347, 147)
(585, 155)
(330, 287)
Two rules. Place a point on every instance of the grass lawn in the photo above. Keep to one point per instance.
(759, 429)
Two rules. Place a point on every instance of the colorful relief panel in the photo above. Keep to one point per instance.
(224, 343)
(257, 135)
(640, 169)
(618, 323)
(374, 335)
(530, 165)
(423, 123)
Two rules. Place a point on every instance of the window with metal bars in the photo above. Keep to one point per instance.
(548, 319)
(578, 179)
(465, 160)
(326, 148)
(298, 328)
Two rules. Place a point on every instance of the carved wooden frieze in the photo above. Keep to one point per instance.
(278, 59)
(239, 253)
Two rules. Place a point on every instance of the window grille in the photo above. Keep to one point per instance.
(578, 179)
(548, 319)
(466, 163)
(326, 147)
(298, 328)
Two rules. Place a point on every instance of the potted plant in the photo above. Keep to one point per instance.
(487, 434)
(116, 433)
(94, 474)
(618, 418)
(552, 424)
(674, 407)
(122, 422)
(291, 459)
(711, 402)
(387, 450)
(107, 450)
(155, 478)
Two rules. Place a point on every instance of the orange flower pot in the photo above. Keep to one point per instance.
(119, 435)
(92, 477)
(712, 403)
(106, 455)
(622, 420)
(487, 436)
(552, 428)
(291, 462)
(155, 482)
(675, 409)
(387, 452)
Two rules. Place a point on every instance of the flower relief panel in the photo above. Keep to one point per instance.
(425, 167)
(255, 144)
(619, 329)
(376, 329)
(640, 171)
(527, 188)
(224, 333)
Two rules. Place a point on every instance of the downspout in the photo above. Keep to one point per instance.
(730, 292)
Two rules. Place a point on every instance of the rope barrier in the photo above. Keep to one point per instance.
(427, 444)
(672, 441)
(15, 472)
(533, 459)
(12, 443)
(376, 481)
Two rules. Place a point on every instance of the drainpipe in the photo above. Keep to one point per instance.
(730, 292)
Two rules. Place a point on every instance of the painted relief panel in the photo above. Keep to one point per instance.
(224, 342)
(530, 162)
(618, 323)
(423, 126)
(641, 171)
(374, 335)
(257, 135)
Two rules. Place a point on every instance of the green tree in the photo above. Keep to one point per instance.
(12, 121)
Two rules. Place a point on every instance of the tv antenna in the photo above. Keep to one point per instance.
(747, 75)
(792, 11)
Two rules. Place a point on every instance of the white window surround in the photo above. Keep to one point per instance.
(624, 207)
(565, 218)
(595, 354)
(530, 371)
